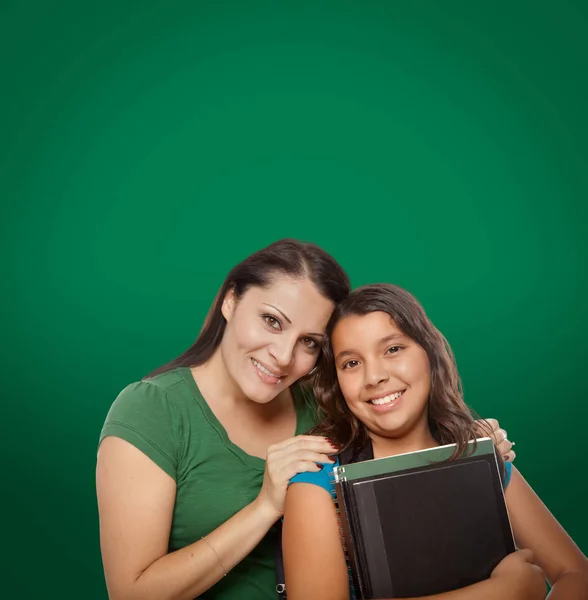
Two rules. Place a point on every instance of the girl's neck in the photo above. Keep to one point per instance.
(420, 438)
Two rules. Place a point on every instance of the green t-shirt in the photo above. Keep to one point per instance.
(167, 418)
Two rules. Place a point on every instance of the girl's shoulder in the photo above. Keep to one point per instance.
(507, 474)
(325, 478)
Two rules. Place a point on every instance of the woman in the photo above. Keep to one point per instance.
(389, 385)
(194, 461)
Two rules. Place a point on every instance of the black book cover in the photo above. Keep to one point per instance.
(418, 524)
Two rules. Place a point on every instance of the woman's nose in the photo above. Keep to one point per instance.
(282, 352)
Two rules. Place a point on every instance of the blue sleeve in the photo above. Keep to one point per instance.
(507, 474)
(325, 478)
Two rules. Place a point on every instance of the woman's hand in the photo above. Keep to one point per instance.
(491, 428)
(286, 459)
(520, 578)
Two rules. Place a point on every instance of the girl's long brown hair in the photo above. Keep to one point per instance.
(450, 420)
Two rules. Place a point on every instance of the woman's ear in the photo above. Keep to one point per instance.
(228, 306)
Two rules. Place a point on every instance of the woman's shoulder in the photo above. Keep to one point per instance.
(160, 389)
(149, 415)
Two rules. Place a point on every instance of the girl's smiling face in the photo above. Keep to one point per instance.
(384, 375)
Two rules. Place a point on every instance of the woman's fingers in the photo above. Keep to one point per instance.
(504, 447)
(286, 466)
(301, 466)
(500, 436)
(487, 427)
(304, 443)
(286, 459)
(491, 428)
(300, 439)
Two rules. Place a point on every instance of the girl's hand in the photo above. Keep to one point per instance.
(520, 577)
(491, 428)
(286, 459)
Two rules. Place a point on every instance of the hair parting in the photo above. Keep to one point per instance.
(287, 257)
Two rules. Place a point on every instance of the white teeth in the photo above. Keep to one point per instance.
(387, 399)
(264, 370)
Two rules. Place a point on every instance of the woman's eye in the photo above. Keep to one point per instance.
(272, 322)
(310, 343)
(350, 364)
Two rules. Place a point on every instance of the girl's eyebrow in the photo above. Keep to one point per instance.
(391, 337)
(345, 353)
(384, 340)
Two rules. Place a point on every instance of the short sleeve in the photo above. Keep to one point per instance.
(325, 478)
(143, 416)
(507, 474)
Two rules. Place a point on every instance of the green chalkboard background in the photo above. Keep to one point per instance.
(146, 147)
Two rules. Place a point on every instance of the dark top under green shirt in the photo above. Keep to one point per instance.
(167, 418)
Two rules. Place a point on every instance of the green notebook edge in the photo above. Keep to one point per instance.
(410, 460)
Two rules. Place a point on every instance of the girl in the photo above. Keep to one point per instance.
(194, 460)
(389, 383)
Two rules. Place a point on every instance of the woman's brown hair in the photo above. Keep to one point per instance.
(285, 257)
(450, 420)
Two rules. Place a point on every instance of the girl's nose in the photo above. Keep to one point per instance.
(376, 375)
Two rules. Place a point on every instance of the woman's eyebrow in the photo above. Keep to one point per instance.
(319, 335)
(276, 308)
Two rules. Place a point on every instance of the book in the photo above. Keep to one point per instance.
(418, 524)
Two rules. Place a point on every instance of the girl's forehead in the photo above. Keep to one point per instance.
(369, 328)
(368, 322)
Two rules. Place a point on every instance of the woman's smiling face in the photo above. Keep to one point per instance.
(274, 335)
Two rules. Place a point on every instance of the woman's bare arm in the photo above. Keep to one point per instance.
(136, 501)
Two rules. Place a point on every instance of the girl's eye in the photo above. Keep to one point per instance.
(272, 322)
(350, 364)
(393, 350)
(310, 343)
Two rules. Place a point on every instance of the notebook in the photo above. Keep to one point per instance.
(417, 524)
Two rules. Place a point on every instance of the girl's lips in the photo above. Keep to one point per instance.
(387, 397)
(382, 408)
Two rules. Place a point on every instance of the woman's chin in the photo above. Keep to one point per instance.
(260, 392)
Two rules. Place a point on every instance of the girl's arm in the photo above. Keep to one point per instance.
(315, 567)
(555, 552)
(136, 502)
(314, 562)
